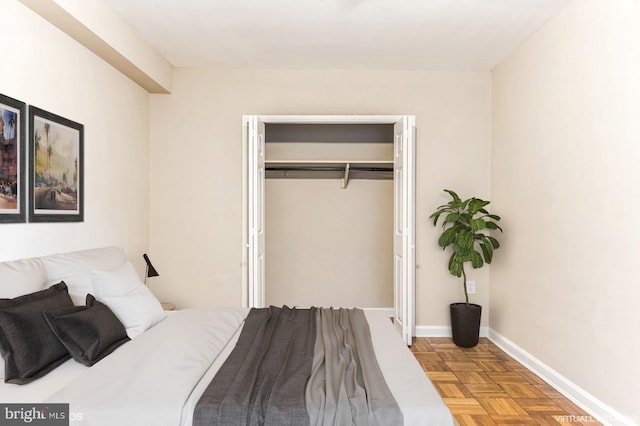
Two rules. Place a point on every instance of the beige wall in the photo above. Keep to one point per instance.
(45, 68)
(196, 166)
(565, 178)
(327, 246)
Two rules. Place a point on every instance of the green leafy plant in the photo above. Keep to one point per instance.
(464, 229)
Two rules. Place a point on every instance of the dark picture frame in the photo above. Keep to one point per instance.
(12, 160)
(56, 168)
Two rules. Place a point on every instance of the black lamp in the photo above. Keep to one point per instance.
(151, 271)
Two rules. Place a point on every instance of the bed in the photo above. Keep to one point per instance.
(158, 376)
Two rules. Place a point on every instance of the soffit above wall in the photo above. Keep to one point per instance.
(98, 28)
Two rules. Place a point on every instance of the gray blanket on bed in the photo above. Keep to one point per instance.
(300, 367)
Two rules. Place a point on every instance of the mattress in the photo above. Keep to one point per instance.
(158, 377)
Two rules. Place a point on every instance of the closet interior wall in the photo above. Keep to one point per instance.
(326, 245)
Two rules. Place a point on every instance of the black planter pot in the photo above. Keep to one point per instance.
(465, 324)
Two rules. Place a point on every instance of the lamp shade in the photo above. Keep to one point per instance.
(151, 271)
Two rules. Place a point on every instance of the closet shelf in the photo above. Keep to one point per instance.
(329, 169)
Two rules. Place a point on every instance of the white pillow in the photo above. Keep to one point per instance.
(75, 269)
(115, 282)
(130, 300)
(18, 277)
(138, 310)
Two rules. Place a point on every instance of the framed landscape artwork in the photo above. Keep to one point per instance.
(56, 168)
(12, 160)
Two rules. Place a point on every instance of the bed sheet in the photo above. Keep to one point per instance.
(415, 394)
(418, 399)
(41, 389)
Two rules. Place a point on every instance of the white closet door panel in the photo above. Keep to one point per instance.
(256, 176)
(410, 227)
(404, 224)
(260, 221)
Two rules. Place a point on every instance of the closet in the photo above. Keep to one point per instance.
(329, 151)
(328, 215)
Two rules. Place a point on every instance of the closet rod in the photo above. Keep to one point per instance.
(328, 169)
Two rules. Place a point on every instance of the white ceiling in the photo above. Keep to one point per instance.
(369, 34)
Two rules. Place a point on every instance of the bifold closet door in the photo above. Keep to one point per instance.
(403, 228)
(253, 276)
(253, 270)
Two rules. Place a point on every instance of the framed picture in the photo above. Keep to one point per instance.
(12, 160)
(56, 168)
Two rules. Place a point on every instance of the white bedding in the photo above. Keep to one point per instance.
(157, 378)
(41, 389)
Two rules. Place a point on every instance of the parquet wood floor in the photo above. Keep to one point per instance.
(485, 386)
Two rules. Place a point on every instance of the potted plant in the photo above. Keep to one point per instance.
(464, 230)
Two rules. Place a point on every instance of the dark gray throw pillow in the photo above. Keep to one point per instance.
(88, 332)
(29, 348)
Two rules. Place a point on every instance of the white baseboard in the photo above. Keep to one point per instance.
(596, 408)
(442, 331)
(599, 410)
